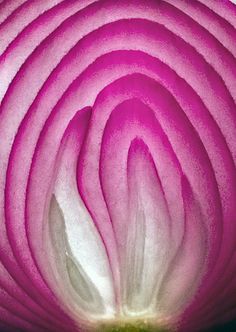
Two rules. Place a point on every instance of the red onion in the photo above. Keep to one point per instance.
(117, 158)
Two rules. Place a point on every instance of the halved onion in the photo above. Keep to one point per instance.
(117, 159)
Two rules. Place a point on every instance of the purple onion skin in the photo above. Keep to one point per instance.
(117, 165)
